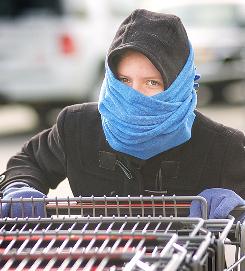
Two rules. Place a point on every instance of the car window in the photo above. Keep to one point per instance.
(15, 8)
(117, 9)
(205, 15)
(76, 8)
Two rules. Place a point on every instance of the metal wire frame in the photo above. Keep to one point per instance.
(111, 207)
(101, 225)
(108, 206)
(137, 263)
(221, 229)
(239, 234)
(32, 229)
(88, 249)
(155, 249)
(84, 251)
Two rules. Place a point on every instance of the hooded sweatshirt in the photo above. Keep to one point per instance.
(160, 37)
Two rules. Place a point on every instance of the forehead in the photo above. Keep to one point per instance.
(134, 63)
(134, 58)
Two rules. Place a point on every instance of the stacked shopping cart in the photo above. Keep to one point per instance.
(117, 233)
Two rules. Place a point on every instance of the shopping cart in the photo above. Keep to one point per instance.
(117, 233)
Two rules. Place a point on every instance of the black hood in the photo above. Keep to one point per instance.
(160, 37)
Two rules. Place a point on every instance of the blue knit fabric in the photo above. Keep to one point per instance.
(220, 203)
(17, 190)
(144, 126)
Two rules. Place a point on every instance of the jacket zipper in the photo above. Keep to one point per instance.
(125, 170)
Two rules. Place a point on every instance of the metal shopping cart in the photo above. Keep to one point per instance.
(117, 233)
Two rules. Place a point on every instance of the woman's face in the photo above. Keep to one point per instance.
(137, 71)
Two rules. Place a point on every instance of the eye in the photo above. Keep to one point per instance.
(153, 83)
(124, 80)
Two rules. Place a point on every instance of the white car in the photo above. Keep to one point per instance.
(216, 29)
(52, 51)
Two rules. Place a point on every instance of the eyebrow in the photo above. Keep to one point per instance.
(146, 77)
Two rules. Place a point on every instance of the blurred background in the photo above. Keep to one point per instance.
(52, 54)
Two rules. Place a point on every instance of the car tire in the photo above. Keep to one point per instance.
(204, 95)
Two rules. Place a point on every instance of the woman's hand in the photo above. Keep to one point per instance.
(31, 208)
(220, 203)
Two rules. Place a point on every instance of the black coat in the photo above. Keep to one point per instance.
(75, 147)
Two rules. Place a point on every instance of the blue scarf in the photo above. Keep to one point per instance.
(144, 126)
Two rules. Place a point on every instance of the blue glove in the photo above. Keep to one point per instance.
(220, 203)
(17, 190)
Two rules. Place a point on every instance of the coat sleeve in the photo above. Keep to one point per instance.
(233, 175)
(41, 162)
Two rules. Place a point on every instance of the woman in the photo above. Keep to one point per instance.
(144, 136)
